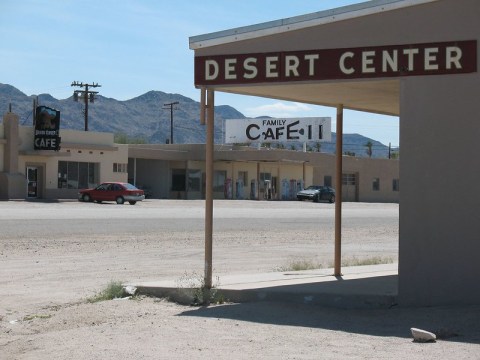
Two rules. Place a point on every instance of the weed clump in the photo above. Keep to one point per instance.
(36, 316)
(192, 289)
(299, 265)
(305, 264)
(113, 290)
(375, 260)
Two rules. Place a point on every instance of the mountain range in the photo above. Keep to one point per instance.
(146, 119)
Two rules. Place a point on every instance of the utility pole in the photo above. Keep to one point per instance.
(166, 107)
(86, 94)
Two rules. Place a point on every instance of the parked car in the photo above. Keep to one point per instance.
(317, 193)
(112, 191)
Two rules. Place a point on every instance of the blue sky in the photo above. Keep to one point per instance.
(134, 46)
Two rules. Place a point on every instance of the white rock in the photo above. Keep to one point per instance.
(130, 290)
(420, 335)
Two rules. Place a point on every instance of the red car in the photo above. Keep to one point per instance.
(112, 191)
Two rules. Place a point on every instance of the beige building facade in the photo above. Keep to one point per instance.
(177, 171)
(84, 160)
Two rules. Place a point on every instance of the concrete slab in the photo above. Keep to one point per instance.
(358, 287)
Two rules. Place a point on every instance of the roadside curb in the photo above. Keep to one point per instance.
(360, 287)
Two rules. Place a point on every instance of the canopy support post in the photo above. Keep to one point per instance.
(209, 149)
(338, 193)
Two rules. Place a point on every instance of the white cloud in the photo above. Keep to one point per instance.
(279, 110)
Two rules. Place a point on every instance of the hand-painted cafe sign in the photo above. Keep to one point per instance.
(47, 129)
(347, 63)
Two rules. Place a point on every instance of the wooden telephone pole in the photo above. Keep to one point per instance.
(87, 96)
(166, 107)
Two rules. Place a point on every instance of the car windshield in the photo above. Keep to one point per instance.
(314, 187)
(130, 187)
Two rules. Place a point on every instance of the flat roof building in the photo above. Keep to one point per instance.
(176, 171)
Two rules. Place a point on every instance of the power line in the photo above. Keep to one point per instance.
(86, 95)
(170, 106)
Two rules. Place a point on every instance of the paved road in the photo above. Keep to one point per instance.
(23, 219)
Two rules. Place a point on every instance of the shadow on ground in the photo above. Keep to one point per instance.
(449, 323)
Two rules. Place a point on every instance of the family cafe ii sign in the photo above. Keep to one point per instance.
(328, 64)
(278, 130)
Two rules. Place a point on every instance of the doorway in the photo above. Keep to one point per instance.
(350, 187)
(32, 182)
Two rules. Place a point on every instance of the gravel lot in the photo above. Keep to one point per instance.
(55, 255)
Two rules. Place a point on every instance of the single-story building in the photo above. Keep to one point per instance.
(177, 171)
(84, 160)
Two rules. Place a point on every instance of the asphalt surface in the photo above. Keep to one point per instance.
(21, 218)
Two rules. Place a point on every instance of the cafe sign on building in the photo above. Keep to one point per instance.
(47, 129)
(278, 130)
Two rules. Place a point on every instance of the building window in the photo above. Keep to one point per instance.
(178, 179)
(243, 175)
(92, 174)
(194, 177)
(82, 175)
(62, 174)
(119, 168)
(77, 175)
(327, 180)
(72, 175)
(376, 184)
(349, 179)
(396, 185)
(264, 177)
(219, 178)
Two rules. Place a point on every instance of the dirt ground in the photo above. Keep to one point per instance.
(48, 269)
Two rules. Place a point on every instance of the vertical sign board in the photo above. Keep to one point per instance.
(278, 130)
(47, 127)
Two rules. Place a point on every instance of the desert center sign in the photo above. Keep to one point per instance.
(455, 57)
(278, 130)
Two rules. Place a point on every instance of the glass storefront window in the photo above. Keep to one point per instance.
(178, 179)
(62, 174)
(72, 175)
(82, 175)
(92, 175)
(77, 175)
(194, 177)
(219, 178)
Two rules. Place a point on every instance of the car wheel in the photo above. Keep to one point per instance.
(316, 199)
(332, 199)
(86, 198)
(120, 200)
(132, 202)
